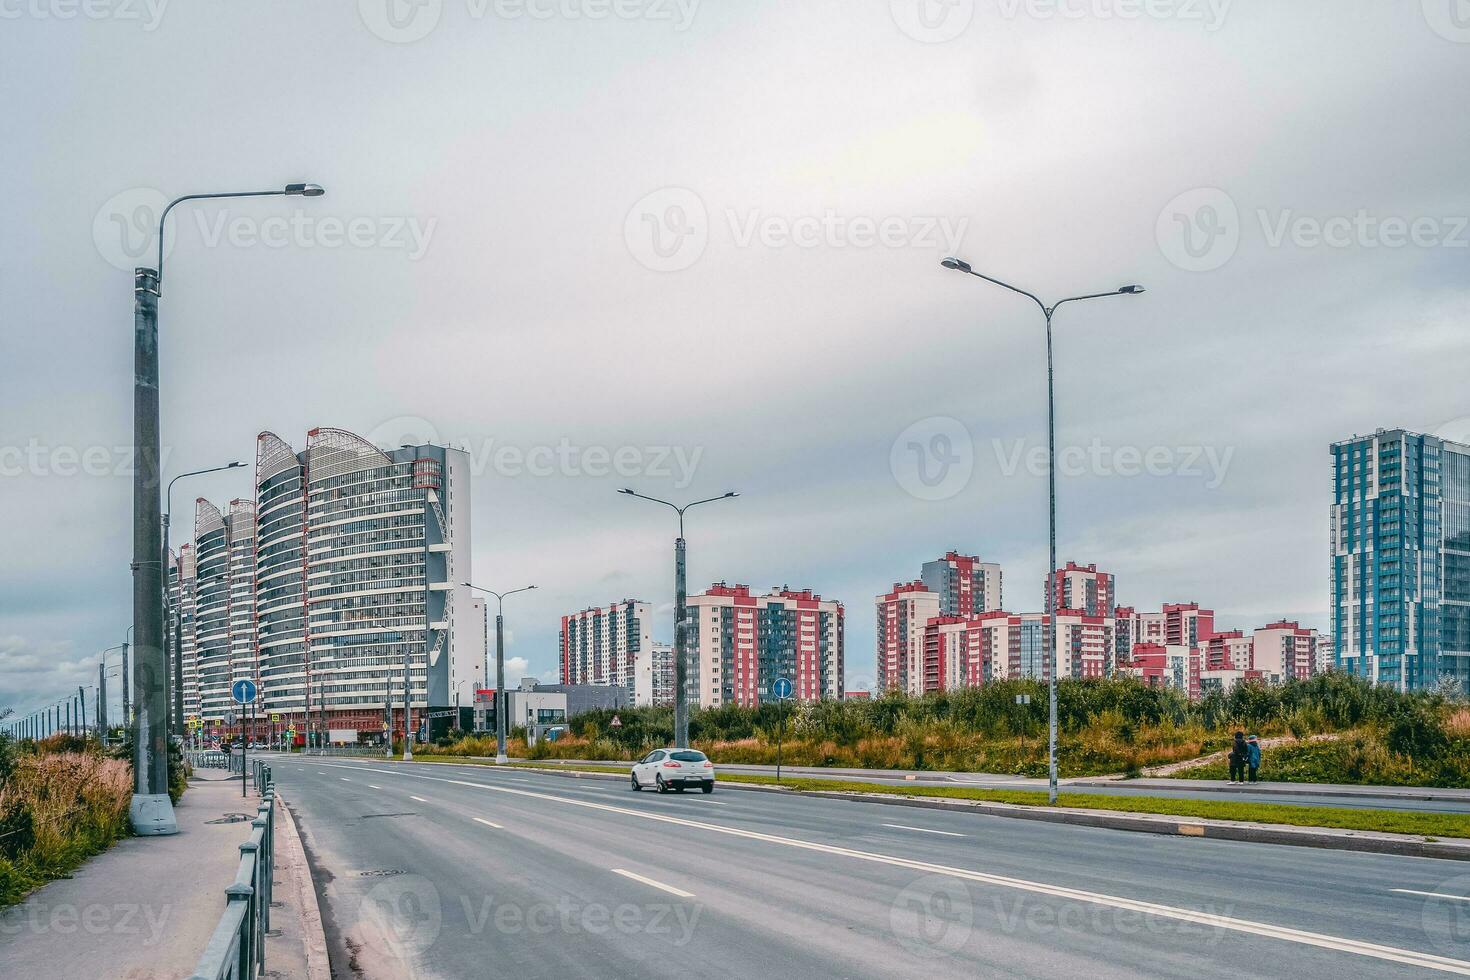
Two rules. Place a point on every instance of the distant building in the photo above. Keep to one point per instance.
(1284, 650)
(965, 585)
(739, 644)
(1081, 588)
(903, 614)
(606, 645)
(1231, 650)
(1167, 665)
(653, 683)
(1400, 544)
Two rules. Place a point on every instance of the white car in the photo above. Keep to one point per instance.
(678, 769)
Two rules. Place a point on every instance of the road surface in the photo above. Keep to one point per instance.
(435, 870)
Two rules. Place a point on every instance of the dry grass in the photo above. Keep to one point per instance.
(59, 810)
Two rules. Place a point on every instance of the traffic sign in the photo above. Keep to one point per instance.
(616, 722)
(782, 688)
(229, 719)
(275, 719)
(243, 690)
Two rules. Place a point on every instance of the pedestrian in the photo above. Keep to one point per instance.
(1238, 754)
(1253, 755)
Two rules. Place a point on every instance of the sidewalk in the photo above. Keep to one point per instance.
(145, 909)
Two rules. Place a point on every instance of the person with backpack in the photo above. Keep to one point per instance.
(1253, 755)
(1237, 757)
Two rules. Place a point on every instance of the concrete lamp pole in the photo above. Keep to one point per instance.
(681, 665)
(151, 812)
(960, 265)
(501, 701)
(170, 615)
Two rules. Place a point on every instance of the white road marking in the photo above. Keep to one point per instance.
(653, 884)
(419, 798)
(1392, 954)
(344, 779)
(1410, 891)
(371, 786)
(923, 830)
(488, 823)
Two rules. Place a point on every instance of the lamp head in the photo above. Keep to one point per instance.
(950, 262)
(1130, 290)
(732, 493)
(305, 190)
(624, 490)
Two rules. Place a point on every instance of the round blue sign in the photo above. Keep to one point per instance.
(782, 688)
(243, 690)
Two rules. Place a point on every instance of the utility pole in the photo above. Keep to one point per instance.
(407, 712)
(681, 659)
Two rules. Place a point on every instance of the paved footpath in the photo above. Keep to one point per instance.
(145, 909)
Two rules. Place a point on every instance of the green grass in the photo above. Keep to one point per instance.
(1414, 823)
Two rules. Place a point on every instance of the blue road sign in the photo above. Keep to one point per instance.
(243, 690)
(782, 688)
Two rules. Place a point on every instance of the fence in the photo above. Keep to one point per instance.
(236, 950)
(205, 759)
(350, 750)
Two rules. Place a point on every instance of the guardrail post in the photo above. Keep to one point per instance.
(246, 894)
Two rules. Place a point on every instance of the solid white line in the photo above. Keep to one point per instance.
(922, 830)
(1391, 954)
(419, 798)
(488, 823)
(1410, 891)
(654, 884)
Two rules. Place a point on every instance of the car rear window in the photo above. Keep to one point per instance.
(688, 757)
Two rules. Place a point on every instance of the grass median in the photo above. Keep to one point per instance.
(1411, 822)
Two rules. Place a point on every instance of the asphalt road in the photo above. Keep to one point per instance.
(434, 870)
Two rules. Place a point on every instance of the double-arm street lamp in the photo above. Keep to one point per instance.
(151, 812)
(960, 265)
(501, 701)
(171, 615)
(681, 666)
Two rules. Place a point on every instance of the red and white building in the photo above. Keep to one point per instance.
(1167, 665)
(1080, 587)
(903, 614)
(1230, 650)
(739, 644)
(1284, 649)
(966, 586)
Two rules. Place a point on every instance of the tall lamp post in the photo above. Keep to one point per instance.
(150, 812)
(681, 666)
(501, 701)
(170, 615)
(960, 265)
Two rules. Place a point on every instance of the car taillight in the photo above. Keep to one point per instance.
(671, 765)
(709, 765)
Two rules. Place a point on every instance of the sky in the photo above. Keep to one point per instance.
(691, 247)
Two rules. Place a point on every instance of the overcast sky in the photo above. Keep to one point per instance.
(701, 241)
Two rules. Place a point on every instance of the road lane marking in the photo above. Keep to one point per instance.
(1410, 891)
(1428, 961)
(419, 798)
(488, 823)
(923, 830)
(344, 779)
(371, 786)
(653, 884)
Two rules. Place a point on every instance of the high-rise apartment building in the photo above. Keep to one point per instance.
(606, 645)
(1284, 650)
(966, 586)
(739, 644)
(903, 615)
(344, 569)
(1400, 544)
(1080, 587)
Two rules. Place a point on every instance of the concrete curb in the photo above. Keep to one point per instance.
(1410, 793)
(1253, 833)
(317, 965)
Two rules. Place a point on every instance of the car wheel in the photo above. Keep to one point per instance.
(636, 787)
(658, 781)
(708, 787)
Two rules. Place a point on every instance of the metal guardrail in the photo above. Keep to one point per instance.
(205, 758)
(236, 950)
(348, 750)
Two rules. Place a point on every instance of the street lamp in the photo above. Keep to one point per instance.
(681, 668)
(960, 265)
(501, 701)
(150, 811)
(168, 611)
